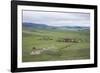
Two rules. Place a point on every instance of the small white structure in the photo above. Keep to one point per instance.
(35, 52)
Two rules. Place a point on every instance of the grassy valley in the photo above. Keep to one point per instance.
(48, 43)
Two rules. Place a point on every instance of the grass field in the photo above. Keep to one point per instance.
(55, 44)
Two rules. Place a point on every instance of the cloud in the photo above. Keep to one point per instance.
(57, 18)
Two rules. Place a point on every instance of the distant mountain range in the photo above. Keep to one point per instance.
(34, 25)
(44, 26)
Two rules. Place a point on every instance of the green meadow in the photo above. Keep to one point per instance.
(54, 44)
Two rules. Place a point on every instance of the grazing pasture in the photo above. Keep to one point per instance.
(54, 44)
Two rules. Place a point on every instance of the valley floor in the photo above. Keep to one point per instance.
(52, 45)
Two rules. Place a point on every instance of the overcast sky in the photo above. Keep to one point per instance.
(57, 18)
